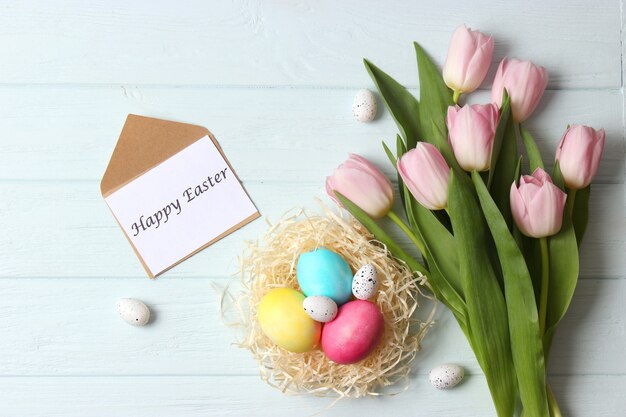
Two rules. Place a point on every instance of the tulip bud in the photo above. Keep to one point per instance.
(426, 173)
(364, 184)
(579, 154)
(537, 205)
(471, 132)
(469, 57)
(524, 81)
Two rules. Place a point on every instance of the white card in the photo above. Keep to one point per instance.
(181, 205)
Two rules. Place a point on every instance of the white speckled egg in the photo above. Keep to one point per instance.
(446, 376)
(133, 311)
(320, 308)
(364, 106)
(365, 282)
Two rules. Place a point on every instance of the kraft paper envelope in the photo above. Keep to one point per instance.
(172, 191)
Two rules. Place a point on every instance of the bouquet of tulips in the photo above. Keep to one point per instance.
(499, 247)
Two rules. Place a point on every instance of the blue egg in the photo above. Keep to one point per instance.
(323, 272)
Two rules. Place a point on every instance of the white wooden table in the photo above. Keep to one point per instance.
(274, 81)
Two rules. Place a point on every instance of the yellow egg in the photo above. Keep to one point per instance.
(285, 322)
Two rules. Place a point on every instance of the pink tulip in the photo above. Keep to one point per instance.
(426, 173)
(469, 57)
(537, 205)
(471, 132)
(364, 184)
(579, 154)
(525, 83)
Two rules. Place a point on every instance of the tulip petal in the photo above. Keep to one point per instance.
(425, 174)
(525, 83)
(546, 210)
(519, 211)
(330, 187)
(537, 205)
(479, 64)
(363, 190)
(498, 83)
(468, 59)
(579, 154)
(471, 131)
(358, 162)
(363, 183)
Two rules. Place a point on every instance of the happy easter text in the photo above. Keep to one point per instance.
(175, 207)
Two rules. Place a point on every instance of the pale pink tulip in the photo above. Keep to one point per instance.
(469, 57)
(364, 184)
(524, 81)
(471, 130)
(426, 173)
(579, 154)
(537, 205)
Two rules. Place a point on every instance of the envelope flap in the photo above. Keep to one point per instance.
(144, 143)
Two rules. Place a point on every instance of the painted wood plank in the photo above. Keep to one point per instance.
(64, 229)
(238, 396)
(70, 327)
(268, 134)
(293, 43)
(623, 53)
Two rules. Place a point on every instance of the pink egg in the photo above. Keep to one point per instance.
(354, 333)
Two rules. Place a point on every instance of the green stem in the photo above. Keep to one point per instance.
(394, 217)
(455, 96)
(571, 199)
(545, 279)
(555, 411)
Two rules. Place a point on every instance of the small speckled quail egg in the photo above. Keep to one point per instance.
(320, 308)
(133, 311)
(446, 376)
(364, 106)
(365, 282)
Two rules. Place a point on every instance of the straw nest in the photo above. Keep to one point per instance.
(270, 263)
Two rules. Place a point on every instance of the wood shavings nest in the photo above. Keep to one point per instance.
(270, 263)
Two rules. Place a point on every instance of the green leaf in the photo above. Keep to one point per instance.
(564, 269)
(435, 96)
(440, 243)
(501, 129)
(380, 234)
(534, 156)
(486, 307)
(529, 246)
(526, 338)
(504, 171)
(400, 150)
(557, 176)
(446, 294)
(404, 108)
(518, 169)
(400, 147)
(580, 212)
(532, 254)
(440, 140)
(445, 283)
(433, 233)
(390, 155)
(438, 283)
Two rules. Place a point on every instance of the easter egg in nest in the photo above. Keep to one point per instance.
(320, 308)
(365, 282)
(283, 320)
(354, 333)
(324, 272)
